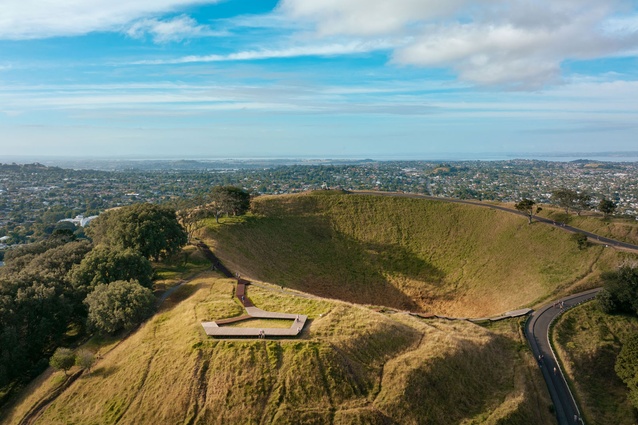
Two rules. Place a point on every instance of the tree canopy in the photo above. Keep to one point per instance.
(229, 200)
(565, 198)
(150, 229)
(620, 291)
(526, 206)
(119, 305)
(571, 199)
(607, 206)
(62, 359)
(105, 265)
(37, 304)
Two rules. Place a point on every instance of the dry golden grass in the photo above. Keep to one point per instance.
(405, 253)
(353, 366)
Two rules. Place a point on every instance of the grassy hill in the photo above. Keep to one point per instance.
(352, 366)
(405, 253)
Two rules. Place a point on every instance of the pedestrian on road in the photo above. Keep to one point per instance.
(554, 370)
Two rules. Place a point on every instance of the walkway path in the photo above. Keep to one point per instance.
(537, 333)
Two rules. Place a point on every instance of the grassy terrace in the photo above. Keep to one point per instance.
(353, 365)
(406, 253)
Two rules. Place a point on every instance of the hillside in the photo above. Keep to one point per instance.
(405, 253)
(622, 229)
(589, 341)
(352, 365)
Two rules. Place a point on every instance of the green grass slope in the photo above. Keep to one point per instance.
(589, 341)
(352, 366)
(405, 253)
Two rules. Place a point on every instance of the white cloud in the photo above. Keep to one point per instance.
(176, 29)
(30, 19)
(516, 43)
(367, 17)
(334, 49)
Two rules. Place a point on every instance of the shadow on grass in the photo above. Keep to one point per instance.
(604, 391)
(306, 253)
(102, 372)
(465, 385)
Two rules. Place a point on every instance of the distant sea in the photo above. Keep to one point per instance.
(92, 162)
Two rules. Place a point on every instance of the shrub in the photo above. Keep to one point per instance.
(119, 305)
(62, 359)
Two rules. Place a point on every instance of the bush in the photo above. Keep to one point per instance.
(119, 305)
(62, 359)
(581, 240)
(85, 359)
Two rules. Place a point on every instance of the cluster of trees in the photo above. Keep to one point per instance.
(37, 302)
(64, 359)
(620, 296)
(569, 199)
(221, 200)
(58, 283)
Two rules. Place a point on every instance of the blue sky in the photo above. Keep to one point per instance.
(358, 78)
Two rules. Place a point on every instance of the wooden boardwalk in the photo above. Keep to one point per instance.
(216, 329)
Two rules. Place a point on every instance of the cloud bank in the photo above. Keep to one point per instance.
(514, 43)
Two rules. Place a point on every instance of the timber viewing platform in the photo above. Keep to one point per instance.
(218, 329)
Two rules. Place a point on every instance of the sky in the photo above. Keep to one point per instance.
(308, 78)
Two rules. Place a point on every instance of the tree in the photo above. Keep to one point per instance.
(526, 206)
(627, 367)
(119, 305)
(105, 265)
(62, 359)
(229, 200)
(583, 203)
(150, 229)
(565, 198)
(607, 207)
(85, 359)
(620, 291)
(191, 214)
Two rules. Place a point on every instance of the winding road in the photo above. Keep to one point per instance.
(537, 333)
(538, 326)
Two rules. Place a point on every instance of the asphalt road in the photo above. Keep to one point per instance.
(592, 236)
(537, 333)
